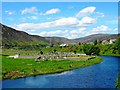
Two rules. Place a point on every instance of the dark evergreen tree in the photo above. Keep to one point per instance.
(41, 52)
(95, 42)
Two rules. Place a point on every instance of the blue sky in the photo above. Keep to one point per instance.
(62, 19)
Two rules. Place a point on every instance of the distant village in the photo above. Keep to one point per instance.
(108, 41)
(111, 41)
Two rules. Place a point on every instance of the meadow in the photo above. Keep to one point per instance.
(18, 68)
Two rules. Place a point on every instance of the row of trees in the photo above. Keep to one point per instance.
(92, 49)
(97, 48)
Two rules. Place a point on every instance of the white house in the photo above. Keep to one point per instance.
(62, 45)
(112, 40)
(105, 42)
(15, 56)
(108, 41)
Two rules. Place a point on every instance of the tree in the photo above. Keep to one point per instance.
(99, 41)
(117, 46)
(41, 52)
(54, 50)
(74, 51)
(95, 50)
(51, 45)
(95, 42)
(91, 49)
(79, 43)
(87, 49)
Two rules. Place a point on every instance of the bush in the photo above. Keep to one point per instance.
(117, 45)
(91, 49)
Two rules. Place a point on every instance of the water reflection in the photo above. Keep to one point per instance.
(36, 81)
(63, 73)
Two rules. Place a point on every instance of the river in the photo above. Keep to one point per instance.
(102, 75)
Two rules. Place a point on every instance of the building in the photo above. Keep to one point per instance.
(112, 41)
(105, 42)
(63, 45)
(108, 41)
(90, 43)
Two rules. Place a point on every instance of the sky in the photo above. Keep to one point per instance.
(62, 19)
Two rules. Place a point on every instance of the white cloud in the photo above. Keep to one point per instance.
(101, 28)
(72, 34)
(86, 21)
(53, 33)
(98, 29)
(33, 17)
(76, 33)
(52, 11)
(85, 32)
(32, 30)
(86, 11)
(29, 10)
(98, 14)
(56, 23)
(115, 29)
(64, 33)
(79, 31)
(70, 21)
(82, 22)
(10, 12)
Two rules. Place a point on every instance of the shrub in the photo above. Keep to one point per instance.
(91, 49)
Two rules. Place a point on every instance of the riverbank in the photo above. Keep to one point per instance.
(116, 55)
(19, 68)
(118, 81)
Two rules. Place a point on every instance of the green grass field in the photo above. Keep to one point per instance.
(106, 50)
(18, 68)
(21, 52)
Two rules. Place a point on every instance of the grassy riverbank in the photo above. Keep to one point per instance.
(118, 82)
(18, 68)
(116, 55)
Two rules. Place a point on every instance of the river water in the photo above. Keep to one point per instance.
(101, 75)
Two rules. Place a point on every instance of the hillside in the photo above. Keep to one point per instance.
(100, 37)
(15, 37)
(59, 40)
(11, 36)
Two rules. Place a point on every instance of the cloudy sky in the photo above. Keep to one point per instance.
(62, 19)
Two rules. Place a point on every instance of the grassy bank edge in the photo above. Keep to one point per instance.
(99, 60)
(116, 55)
(118, 81)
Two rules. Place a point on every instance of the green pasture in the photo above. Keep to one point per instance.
(18, 68)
